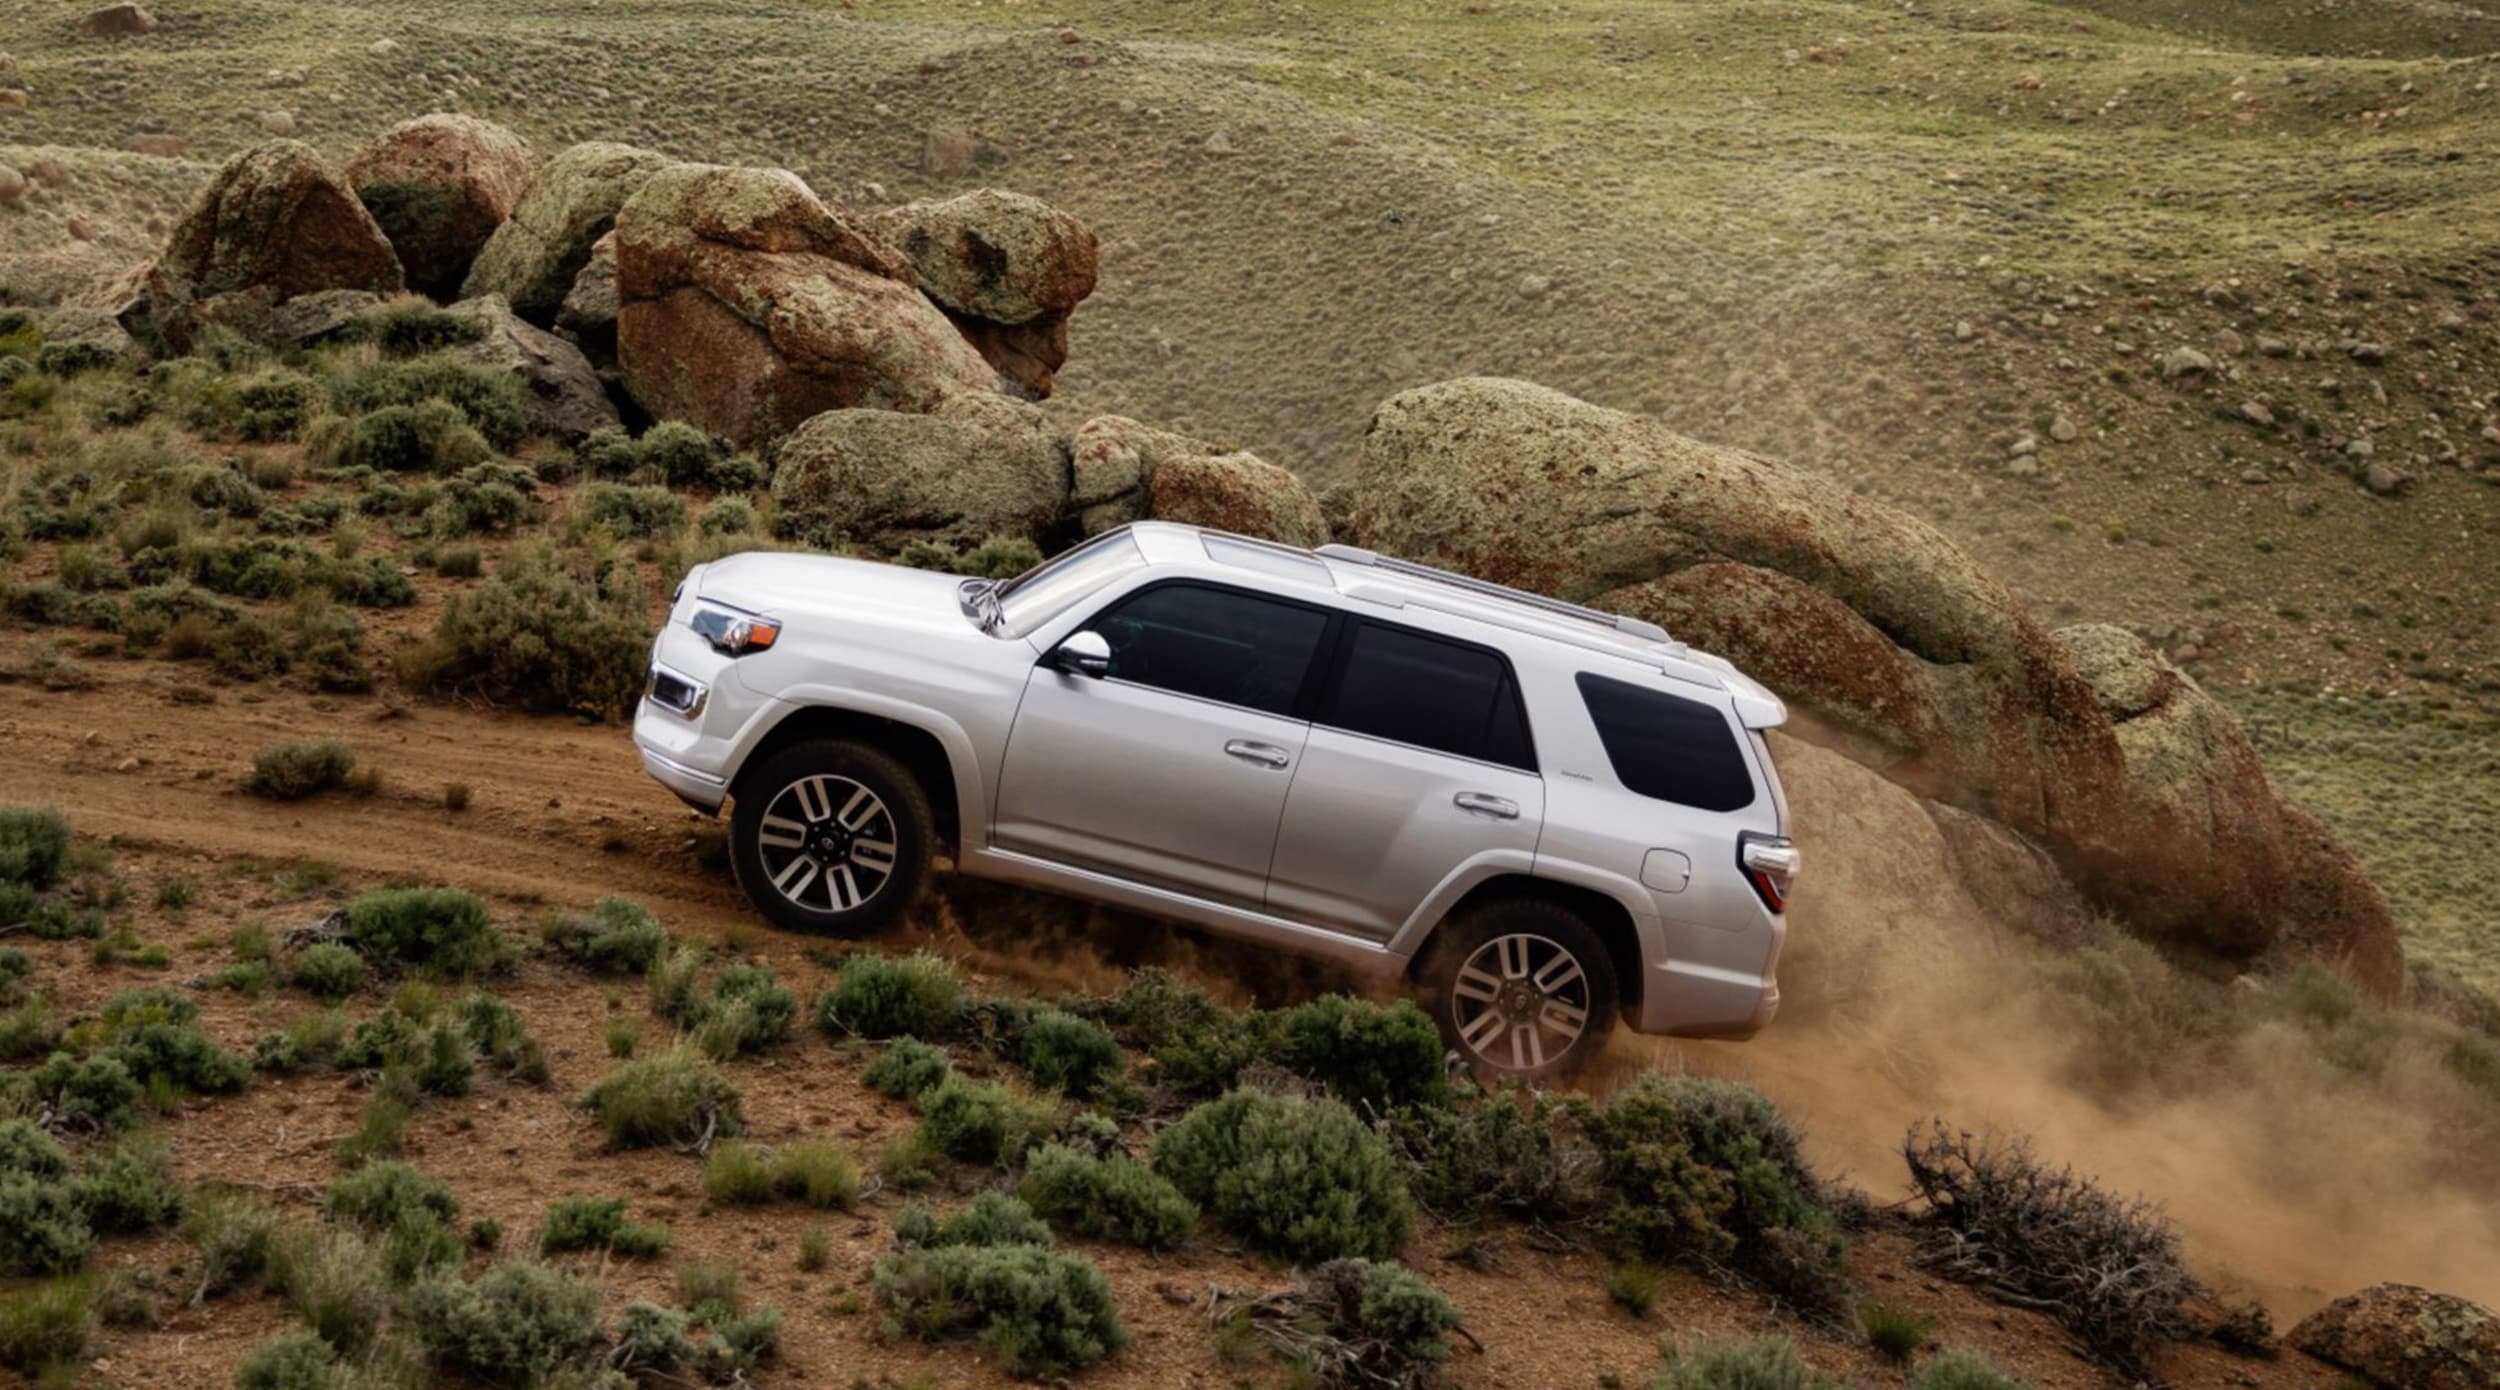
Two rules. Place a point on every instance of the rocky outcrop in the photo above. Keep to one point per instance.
(1007, 269)
(571, 202)
(439, 186)
(588, 315)
(1125, 471)
(981, 465)
(745, 305)
(561, 395)
(2401, 1337)
(274, 223)
(2334, 912)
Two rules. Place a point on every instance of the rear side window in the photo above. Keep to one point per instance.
(1668, 747)
(1450, 697)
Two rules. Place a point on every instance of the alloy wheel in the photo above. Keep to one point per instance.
(827, 843)
(1520, 1001)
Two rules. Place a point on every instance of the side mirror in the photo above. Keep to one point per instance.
(1083, 654)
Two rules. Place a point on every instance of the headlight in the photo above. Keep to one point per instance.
(735, 634)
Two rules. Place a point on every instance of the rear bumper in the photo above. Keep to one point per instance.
(1685, 997)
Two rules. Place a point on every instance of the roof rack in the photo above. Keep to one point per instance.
(1631, 627)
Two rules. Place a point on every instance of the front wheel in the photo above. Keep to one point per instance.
(830, 836)
(1522, 990)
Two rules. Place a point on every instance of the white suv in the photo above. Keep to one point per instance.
(1541, 813)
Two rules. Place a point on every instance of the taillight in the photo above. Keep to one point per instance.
(1770, 864)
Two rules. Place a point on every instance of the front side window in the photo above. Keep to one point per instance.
(1668, 747)
(1451, 697)
(1214, 644)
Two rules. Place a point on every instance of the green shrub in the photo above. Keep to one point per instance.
(371, 581)
(676, 453)
(1041, 1312)
(537, 637)
(1962, 1370)
(891, 997)
(30, 1149)
(1303, 1180)
(412, 1213)
(1769, 1364)
(153, 1033)
(488, 497)
(225, 490)
(1062, 1052)
(46, 1327)
(813, 1171)
(598, 1223)
(619, 937)
(1116, 1198)
(75, 358)
(94, 1092)
(628, 511)
(236, 1235)
(42, 1230)
(336, 1281)
(400, 438)
(1635, 1286)
(413, 325)
(441, 1064)
(1496, 1155)
(1373, 1059)
(486, 399)
(443, 930)
(47, 605)
(676, 1098)
(495, 1030)
(738, 1171)
(908, 1070)
(991, 1218)
(297, 1361)
(34, 843)
(272, 404)
(293, 769)
(730, 516)
(999, 557)
(1895, 1332)
(328, 971)
(519, 1324)
(1364, 1322)
(127, 1188)
(981, 1124)
(746, 1012)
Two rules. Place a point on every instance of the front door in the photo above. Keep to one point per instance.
(1171, 768)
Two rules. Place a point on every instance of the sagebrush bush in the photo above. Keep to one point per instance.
(1771, 1363)
(982, 1123)
(442, 930)
(1062, 1052)
(1116, 1198)
(42, 1230)
(1495, 1155)
(908, 1069)
(488, 400)
(154, 1034)
(629, 511)
(1962, 1370)
(991, 1218)
(337, 1281)
(877, 996)
(1374, 1059)
(272, 404)
(293, 769)
(236, 1235)
(126, 1188)
(29, 1148)
(400, 438)
(598, 1223)
(328, 971)
(34, 844)
(46, 1327)
(1358, 1322)
(1301, 1179)
(1040, 1311)
(410, 1212)
(539, 637)
(814, 1171)
(674, 1099)
(620, 937)
(494, 1028)
(1895, 1332)
(294, 1361)
(519, 1324)
(745, 1011)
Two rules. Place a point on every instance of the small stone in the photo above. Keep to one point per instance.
(2024, 447)
(1963, 332)
(1218, 143)
(278, 122)
(117, 19)
(2491, 434)
(2252, 476)
(51, 173)
(162, 146)
(2368, 354)
(1534, 286)
(2229, 343)
(80, 229)
(11, 99)
(2383, 479)
(2271, 346)
(2359, 447)
(2255, 413)
(383, 48)
(2063, 430)
(2185, 361)
(2024, 467)
(12, 185)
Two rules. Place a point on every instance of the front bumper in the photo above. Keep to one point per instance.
(701, 790)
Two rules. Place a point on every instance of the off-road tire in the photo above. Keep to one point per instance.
(1486, 944)
(794, 806)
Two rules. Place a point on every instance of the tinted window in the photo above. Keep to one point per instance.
(1671, 748)
(1447, 696)
(1215, 644)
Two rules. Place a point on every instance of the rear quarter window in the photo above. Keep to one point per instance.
(1667, 747)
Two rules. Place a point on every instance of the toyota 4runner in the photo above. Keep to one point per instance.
(1542, 815)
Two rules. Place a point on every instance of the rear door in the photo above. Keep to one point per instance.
(1419, 762)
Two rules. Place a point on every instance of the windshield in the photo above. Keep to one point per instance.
(1042, 592)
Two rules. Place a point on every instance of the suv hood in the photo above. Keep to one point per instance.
(789, 586)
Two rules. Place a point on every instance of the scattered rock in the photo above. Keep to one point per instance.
(533, 258)
(2368, 354)
(2385, 479)
(746, 306)
(12, 99)
(2270, 346)
(1125, 471)
(383, 48)
(948, 151)
(1963, 332)
(980, 465)
(2256, 413)
(1534, 286)
(1007, 269)
(160, 145)
(2024, 446)
(273, 223)
(2185, 361)
(51, 173)
(2406, 1338)
(439, 186)
(321, 315)
(2229, 343)
(117, 19)
(277, 122)
(13, 185)
(2063, 430)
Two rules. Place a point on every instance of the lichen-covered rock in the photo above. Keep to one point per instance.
(2205, 835)
(1855, 610)
(561, 395)
(321, 315)
(981, 465)
(2405, 1338)
(745, 305)
(273, 223)
(439, 186)
(1006, 268)
(1124, 471)
(534, 257)
(2334, 912)
(118, 19)
(588, 316)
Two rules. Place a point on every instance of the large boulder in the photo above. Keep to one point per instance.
(981, 465)
(1006, 268)
(2334, 912)
(588, 316)
(561, 395)
(2405, 1338)
(273, 223)
(1862, 614)
(746, 305)
(571, 202)
(2204, 830)
(439, 186)
(1125, 471)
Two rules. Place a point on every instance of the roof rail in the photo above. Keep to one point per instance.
(1632, 627)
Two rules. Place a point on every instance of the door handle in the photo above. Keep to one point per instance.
(1250, 752)
(1486, 804)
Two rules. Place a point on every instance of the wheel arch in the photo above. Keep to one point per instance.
(1608, 917)
(921, 750)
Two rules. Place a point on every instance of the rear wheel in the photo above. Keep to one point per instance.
(1522, 990)
(830, 835)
